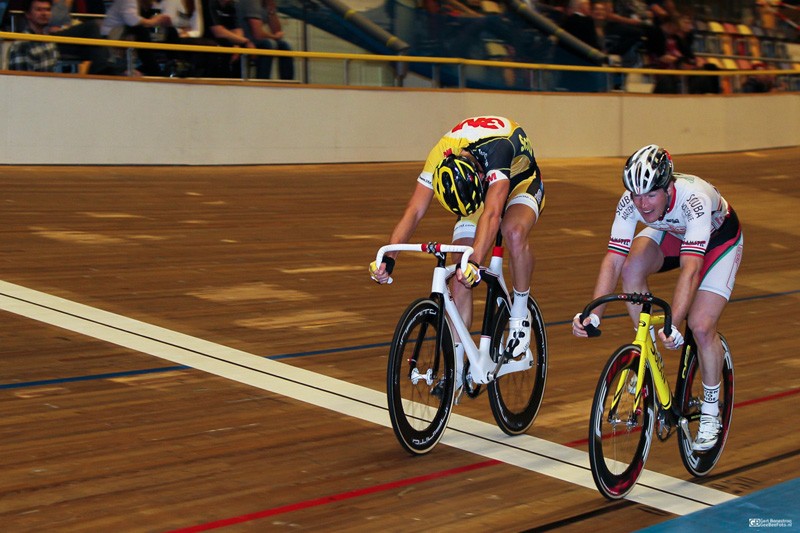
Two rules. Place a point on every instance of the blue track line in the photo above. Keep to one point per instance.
(114, 375)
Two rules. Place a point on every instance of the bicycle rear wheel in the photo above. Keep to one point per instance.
(690, 397)
(621, 425)
(420, 383)
(515, 398)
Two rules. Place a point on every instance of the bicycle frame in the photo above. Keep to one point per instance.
(633, 400)
(651, 358)
(482, 369)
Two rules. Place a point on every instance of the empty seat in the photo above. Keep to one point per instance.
(730, 29)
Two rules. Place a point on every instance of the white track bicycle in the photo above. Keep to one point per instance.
(421, 380)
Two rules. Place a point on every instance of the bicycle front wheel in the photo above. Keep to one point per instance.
(420, 381)
(690, 397)
(515, 398)
(621, 425)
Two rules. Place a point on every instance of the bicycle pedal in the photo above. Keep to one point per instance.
(663, 426)
(684, 424)
(472, 389)
(438, 389)
(508, 357)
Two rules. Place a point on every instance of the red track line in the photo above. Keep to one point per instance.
(776, 396)
(403, 482)
(334, 498)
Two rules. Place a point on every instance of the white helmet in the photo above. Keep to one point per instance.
(647, 169)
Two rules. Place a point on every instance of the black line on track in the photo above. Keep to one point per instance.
(191, 350)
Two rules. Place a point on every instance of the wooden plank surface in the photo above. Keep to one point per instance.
(271, 261)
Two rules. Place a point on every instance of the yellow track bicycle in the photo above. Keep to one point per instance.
(633, 398)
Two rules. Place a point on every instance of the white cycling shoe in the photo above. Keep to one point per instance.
(519, 336)
(707, 433)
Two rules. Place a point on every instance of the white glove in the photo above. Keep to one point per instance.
(677, 338)
(593, 319)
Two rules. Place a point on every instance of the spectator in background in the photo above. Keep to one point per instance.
(579, 22)
(759, 83)
(61, 14)
(600, 16)
(263, 27)
(132, 19)
(662, 9)
(222, 26)
(668, 49)
(44, 57)
(628, 23)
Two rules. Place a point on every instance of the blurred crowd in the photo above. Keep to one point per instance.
(657, 34)
(653, 34)
(244, 24)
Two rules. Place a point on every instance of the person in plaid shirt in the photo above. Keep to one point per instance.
(30, 55)
(44, 57)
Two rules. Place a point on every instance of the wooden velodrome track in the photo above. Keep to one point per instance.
(200, 348)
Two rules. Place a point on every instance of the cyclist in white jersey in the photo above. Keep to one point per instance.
(688, 224)
(484, 171)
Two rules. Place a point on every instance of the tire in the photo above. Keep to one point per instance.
(620, 435)
(420, 408)
(690, 397)
(515, 398)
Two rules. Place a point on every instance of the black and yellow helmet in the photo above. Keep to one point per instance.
(457, 185)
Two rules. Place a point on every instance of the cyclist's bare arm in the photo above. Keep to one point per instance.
(488, 223)
(607, 278)
(417, 207)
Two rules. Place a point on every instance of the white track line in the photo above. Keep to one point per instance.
(560, 462)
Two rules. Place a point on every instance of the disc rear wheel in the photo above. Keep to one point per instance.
(690, 397)
(515, 397)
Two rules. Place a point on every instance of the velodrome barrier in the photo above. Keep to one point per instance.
(69, 119)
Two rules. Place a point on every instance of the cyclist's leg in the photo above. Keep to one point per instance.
(463, 234)
(516, 226)
(646, 257)
(718, 277)
(522, 211)
(721, 262)
(525, 204)
(704, 315)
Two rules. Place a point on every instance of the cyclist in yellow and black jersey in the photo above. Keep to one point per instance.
(484, 171)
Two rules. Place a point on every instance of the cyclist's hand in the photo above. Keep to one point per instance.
(380, 273)
(578, 327)
(470, 276)
(674, 341)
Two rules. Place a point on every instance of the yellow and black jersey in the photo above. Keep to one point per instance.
(499, 144)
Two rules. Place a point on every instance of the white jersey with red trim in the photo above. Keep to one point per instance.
(696, 210)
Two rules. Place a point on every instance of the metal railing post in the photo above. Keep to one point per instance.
(129, 60)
